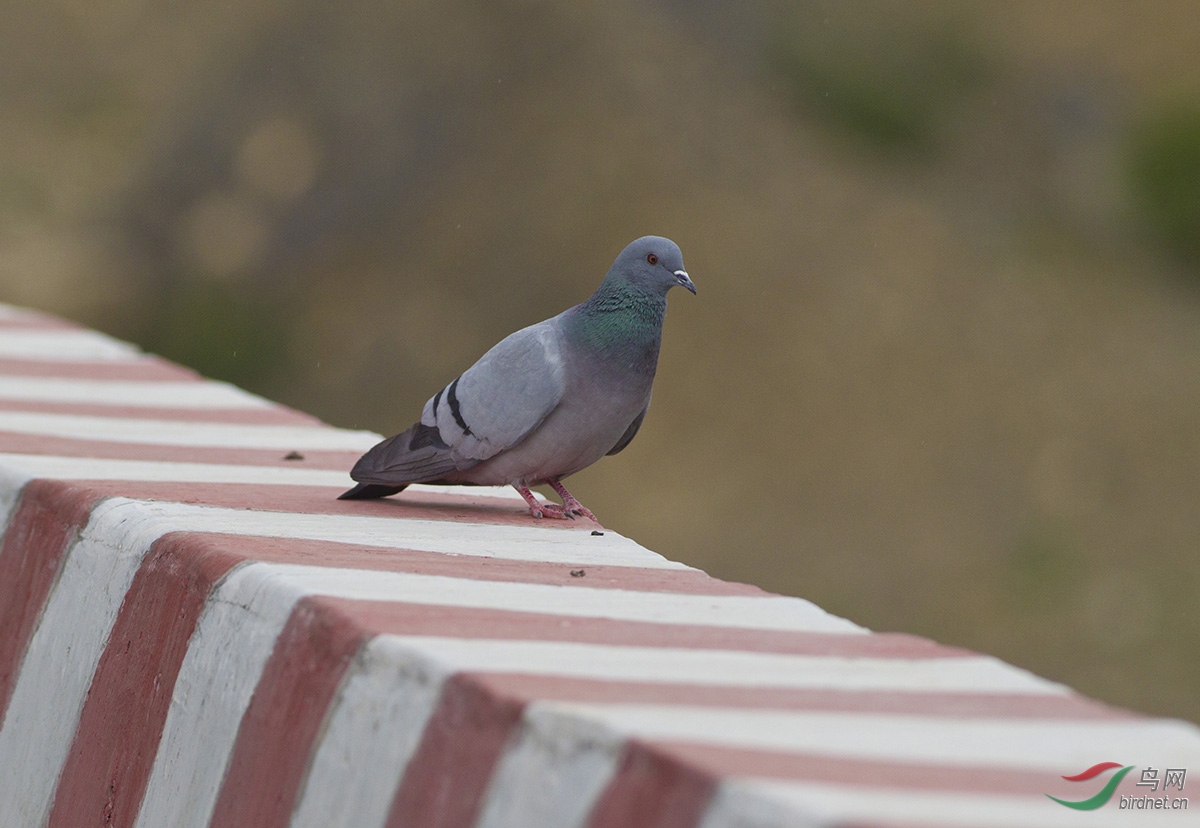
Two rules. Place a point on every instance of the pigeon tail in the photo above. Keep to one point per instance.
(415, 456)
(369, 491)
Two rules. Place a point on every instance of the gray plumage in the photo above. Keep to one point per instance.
(548, 400)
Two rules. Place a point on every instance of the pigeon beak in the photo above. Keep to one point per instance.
(681, 278)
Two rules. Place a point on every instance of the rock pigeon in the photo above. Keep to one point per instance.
(548, 400)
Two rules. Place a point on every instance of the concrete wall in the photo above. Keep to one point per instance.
(194, 632)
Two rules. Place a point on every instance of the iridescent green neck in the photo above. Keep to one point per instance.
(623, 324)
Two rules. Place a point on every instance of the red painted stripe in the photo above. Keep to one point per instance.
(412, 504)
(17, 443)
(265, 415)
(951, 705)
(652, 789)
(318, 500)
(660, 783)
(280, 725)
(720, 761)
(115, 743)
(444, 784)
(134, 368)
(669, 783)
(470, 622)
(45, 523)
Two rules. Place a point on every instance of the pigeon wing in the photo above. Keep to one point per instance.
(492, 406)
(504, 396)
(628, 436)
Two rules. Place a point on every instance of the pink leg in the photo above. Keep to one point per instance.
(571, 506)
(537, 508)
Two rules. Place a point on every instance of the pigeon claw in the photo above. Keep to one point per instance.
(551, 510)
(582, 511)
(538, 509)
(569, 510)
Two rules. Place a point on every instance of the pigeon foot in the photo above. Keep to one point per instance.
(539, 509)
(568, 511)
(571, 506)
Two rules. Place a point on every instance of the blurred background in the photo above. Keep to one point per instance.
(943, 372)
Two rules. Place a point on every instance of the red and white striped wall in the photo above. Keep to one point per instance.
(195, 632)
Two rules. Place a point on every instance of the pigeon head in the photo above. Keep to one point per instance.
(651, 264)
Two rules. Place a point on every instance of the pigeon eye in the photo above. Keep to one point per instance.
(651, 258)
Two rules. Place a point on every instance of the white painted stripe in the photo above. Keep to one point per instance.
(551, 774)
(99, 468)
(766, 612)
(196, 394)
(374, 726)
(506, 492)
(731, 668)
(12, 482)
(53, 680)
(1054, 746)
(528, 542)
(742, 804)
(64, 345)
(225, 659)
(754, 803)
(182, 433)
